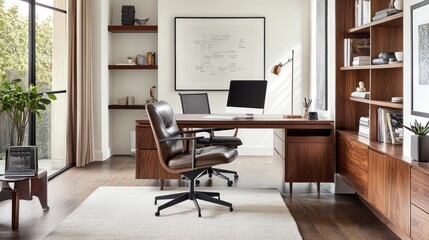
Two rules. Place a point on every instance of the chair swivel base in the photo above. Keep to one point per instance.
(218, 172)
(180, 197)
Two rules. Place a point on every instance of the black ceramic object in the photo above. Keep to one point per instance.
(313, 116)
(128, 15)
(420, 148)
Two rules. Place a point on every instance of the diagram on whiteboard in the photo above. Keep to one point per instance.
(220, 54)
(210, 52)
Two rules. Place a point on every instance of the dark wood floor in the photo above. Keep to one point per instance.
(332, 216)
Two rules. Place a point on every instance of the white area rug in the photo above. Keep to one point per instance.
(129, 213)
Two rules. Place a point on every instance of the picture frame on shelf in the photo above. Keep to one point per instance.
(222, 49)
(419, 58)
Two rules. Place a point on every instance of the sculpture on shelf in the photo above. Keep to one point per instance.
(361, 87)
(152, 98)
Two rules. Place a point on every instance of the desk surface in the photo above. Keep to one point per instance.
(259, 121)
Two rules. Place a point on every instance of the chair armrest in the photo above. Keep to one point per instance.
(180, 138)
(207, 130)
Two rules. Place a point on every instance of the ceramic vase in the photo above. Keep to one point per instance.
(420, 148)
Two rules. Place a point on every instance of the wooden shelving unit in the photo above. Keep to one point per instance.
(132, 67)
(378, 172)
(128, 107)
(133, 29)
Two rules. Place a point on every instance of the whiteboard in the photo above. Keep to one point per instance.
(210, 52)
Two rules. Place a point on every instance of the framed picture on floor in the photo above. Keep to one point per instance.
(420, 59)
(212, 51)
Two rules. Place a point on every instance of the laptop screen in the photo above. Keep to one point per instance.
(21, 159)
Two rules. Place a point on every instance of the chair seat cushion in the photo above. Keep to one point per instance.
(221, 140)
(205, 157)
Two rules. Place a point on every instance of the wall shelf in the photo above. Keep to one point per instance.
(133, 29)
(127, 107)
(380, 66)
(378, 103)
(394, 20)
(132, 67)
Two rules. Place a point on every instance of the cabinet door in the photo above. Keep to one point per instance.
(377, 180)
(309, 162)
(389, 188)
(399, 193)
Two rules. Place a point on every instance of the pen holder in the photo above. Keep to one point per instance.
(305, 114)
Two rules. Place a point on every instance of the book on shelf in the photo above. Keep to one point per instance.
(364, 95)
(361, 62)
(392, 134)
(362, 12)
(364, 127)
(384, 13)
(395, 121)
(355, 47)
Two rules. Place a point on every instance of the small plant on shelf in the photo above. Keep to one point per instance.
(419, 141)
(418, 128)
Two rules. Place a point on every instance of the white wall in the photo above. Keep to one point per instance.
(287, 27)
(101, 13)
(129, 82)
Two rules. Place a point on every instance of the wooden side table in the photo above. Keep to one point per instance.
(24, 189)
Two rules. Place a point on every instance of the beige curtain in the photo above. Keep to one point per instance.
(79, 91)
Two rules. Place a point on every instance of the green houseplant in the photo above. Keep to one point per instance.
(419, 141)
(18, 104)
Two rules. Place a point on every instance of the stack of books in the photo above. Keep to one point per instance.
(390, 128)
(361, 61)
(357, 94)
(362, 12)
(355, 47)
(384, 13)
(364, 127)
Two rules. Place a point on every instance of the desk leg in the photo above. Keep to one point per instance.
(15, 210)
(290, 187)
(161, 184)
(318, 189)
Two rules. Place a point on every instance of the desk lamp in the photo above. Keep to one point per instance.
(276, 70)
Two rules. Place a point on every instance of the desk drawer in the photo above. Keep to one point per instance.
(355, 176)
(420, 189)
(353, 151)
(419, 223)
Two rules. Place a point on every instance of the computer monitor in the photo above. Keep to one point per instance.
(246, 96)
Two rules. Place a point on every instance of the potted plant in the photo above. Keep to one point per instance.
(419, 141)
(18, 104)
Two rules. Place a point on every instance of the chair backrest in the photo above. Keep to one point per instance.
(163, 124)
(195, 103)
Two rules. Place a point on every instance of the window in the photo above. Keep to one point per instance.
(33, 40)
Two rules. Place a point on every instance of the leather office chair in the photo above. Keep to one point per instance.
(198, 103)
(190, 164)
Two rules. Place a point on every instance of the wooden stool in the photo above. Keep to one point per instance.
(25, 188)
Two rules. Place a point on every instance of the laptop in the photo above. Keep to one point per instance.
(21, 161)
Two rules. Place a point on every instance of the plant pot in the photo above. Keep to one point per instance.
(420, 148)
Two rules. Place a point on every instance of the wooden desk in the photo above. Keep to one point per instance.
(303, 148)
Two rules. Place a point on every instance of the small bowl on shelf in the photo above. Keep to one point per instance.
(141, 21)
(399, 56)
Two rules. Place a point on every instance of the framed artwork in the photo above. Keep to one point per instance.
(212, 51)
(420, 59)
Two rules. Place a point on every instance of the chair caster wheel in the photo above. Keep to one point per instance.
(210, 175)
(157, 214)
(197, 182)
(230, 183)
(235, 176)
(199, 214)
(230, 209)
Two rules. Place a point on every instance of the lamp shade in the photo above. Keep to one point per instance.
(276, 69)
